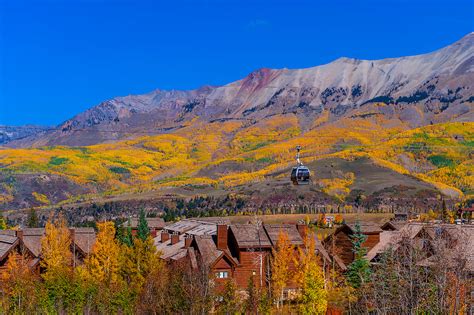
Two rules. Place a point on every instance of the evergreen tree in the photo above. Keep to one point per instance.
(3, 223)
(230, 302)
(125, 235)
(143, 229)
(358, 271)
(253, 298)
(32, 221)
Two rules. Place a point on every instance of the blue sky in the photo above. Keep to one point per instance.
(58, 58)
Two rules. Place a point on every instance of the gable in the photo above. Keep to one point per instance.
(223, 263)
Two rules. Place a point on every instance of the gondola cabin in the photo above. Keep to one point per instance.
(300, 175)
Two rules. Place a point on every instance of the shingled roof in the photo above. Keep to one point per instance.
(153, 223)
(84, 238)
(209, 252)
(274, 230)
(249, 236)
(365, 227)
(7, 244)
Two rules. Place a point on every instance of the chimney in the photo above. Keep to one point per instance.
(187, 241)
(72, 234)
(153, 233)
(221, 236)
(302, 229)
(19, 234)
(165, 236)
(174, 238)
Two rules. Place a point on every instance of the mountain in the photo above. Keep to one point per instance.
(12, 133)
(385, 134)
(420, 90)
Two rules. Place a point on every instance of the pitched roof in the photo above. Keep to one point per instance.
(249, 236)
(32, 240)
(209, 252)
(465, 233)
(393, 225)
(153, 223)
(274, 230)
(167, 250)
(84, 238)
(365, 227)
(182, 226)
(203, 229)
(320, 249)
(7, 243)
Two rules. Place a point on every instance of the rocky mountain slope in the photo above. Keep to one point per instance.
(421, 90)
(12, 133)
(382, 134)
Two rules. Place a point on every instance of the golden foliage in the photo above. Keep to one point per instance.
(103, 264)
(55, 248)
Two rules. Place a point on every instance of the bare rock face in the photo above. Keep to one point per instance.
(12, 133)
(416, 90)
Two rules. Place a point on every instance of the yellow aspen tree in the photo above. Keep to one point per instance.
(310, 278)
(281, 260)
(55, 249)
(103, 264)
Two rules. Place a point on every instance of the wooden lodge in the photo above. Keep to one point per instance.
(154, 224)
(230, 251)
(27, 242)
(339, 244)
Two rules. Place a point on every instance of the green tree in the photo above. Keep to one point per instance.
(230, 302)
(32, 221)
(3, 223)
(358, 271)
(253, 297)
(143, 229)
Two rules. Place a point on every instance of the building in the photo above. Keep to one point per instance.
(229, 251)
(154, 224)
(339, 244)
(28, 242)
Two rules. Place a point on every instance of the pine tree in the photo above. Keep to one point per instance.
(358, 271)
(32, 221)
(230, 302)
(253, 297)
(143, 229)
(3, 223)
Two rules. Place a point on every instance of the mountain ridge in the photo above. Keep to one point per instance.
(438, 84)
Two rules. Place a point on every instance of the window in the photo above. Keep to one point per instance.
(222, 274)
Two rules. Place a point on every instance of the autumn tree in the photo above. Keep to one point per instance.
(57, 263)
(280, 266)
(18, 286)
(358, 272)
(313, 296)
(103, 263)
